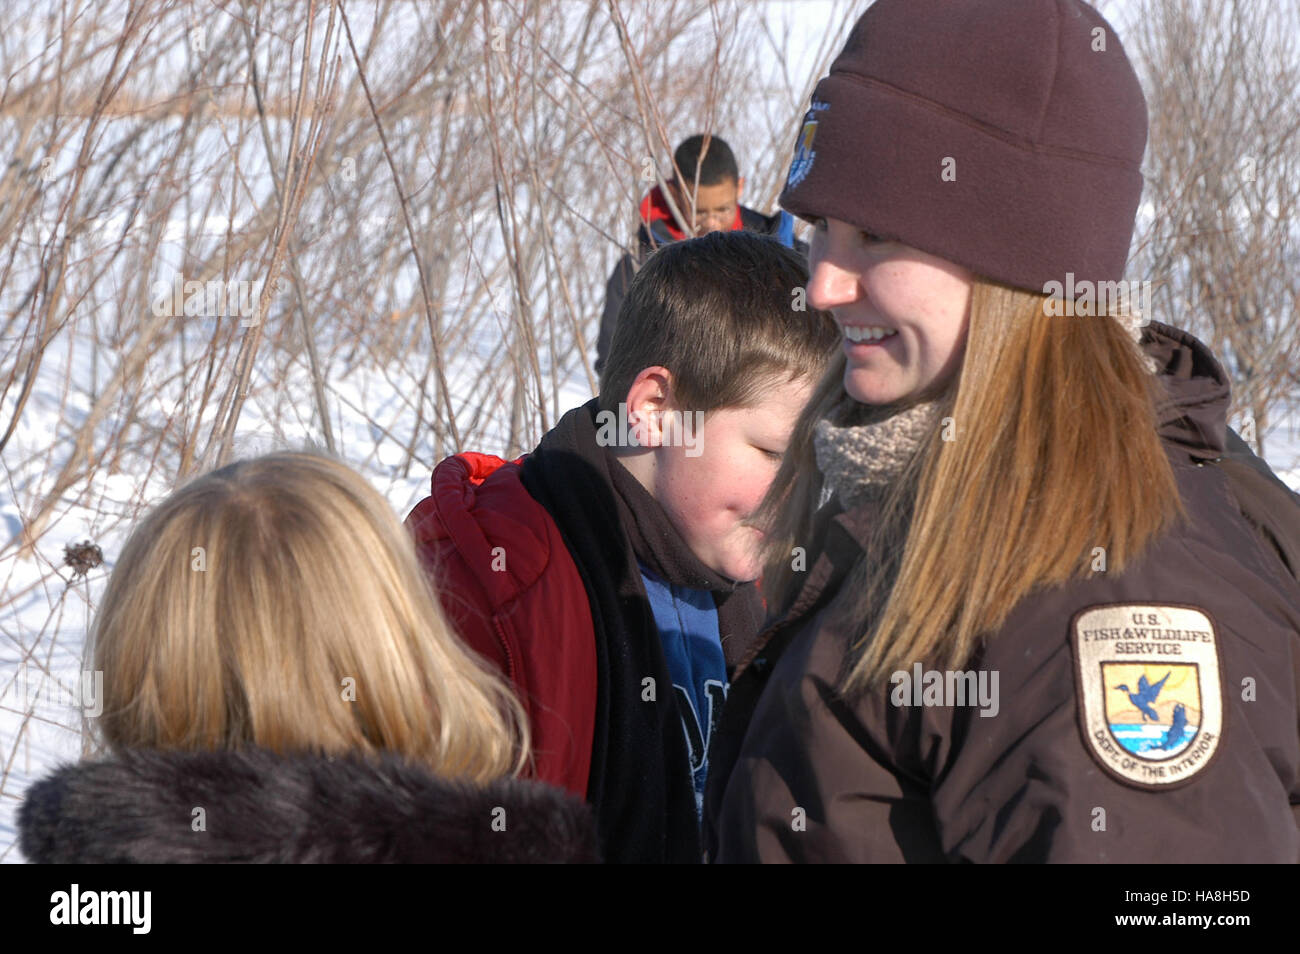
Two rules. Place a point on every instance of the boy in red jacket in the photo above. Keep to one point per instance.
(610, 572)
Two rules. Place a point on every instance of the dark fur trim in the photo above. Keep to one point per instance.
(261, 807)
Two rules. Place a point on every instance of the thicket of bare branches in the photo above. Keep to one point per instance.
(408, 181)
(364, 161)
(1222, 79)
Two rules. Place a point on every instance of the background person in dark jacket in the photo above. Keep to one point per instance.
(1037, 622)
(710, 205)
(279, 684)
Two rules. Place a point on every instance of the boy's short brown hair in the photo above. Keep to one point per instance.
(726, 314)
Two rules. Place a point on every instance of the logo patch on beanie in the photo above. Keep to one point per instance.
(1149, 692)
(803, 149)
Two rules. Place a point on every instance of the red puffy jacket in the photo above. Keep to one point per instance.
(511, 589)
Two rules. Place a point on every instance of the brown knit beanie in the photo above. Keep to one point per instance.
(1002, 135)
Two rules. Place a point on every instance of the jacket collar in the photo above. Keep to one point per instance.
(656, 542)
(658, 223)
(143, 806)
(1193, 414)
(587, 482)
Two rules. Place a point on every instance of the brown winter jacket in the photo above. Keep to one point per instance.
(798, 774)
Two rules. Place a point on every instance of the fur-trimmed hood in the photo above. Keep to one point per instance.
(256, 806)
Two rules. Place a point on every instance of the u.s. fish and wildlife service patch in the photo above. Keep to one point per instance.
(1149, 689)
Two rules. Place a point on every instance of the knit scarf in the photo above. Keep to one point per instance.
(861, 449)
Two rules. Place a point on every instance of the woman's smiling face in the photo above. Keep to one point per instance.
(903, 312)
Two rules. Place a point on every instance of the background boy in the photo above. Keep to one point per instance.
(711, 205)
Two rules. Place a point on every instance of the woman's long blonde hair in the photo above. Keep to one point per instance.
(278, 602)
(1044, 450)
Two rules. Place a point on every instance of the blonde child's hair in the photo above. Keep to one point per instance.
(278, 602)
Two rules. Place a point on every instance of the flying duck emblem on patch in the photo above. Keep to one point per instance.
(1149, 690)
(803, 150)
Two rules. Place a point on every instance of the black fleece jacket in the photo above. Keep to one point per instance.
(640, 782)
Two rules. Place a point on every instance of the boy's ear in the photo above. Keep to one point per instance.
(650, 395)
(740, 188)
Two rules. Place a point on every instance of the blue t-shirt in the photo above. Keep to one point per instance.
(687, 620)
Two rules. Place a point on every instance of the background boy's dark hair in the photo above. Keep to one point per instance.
(717, 165)
(724, 313)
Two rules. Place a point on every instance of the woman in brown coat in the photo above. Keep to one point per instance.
(1031, 622)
